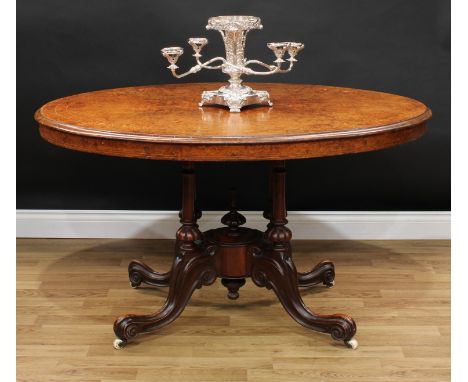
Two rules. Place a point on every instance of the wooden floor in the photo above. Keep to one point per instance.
(70, 291)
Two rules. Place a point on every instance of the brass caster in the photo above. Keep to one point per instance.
(119, 344)
(352, 343)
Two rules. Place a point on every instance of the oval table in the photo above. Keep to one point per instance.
(164, 122)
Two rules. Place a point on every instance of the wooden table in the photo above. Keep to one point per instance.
(164, 122)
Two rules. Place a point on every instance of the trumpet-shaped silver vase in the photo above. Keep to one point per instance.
(234, 31)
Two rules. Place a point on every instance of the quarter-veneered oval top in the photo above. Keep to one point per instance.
(165, 122)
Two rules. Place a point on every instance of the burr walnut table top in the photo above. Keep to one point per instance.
(165, 122)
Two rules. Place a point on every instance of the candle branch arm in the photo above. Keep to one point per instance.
(193, 69)
(205, 65)
(257, 62)
(200, 65)
(273, 68)
(291, 64)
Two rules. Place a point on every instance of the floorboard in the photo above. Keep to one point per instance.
(70, 291)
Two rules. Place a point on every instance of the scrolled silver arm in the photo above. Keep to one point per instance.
(198, 67)
(193, 69)
(273, 69)
(257, 62)
(204, 65)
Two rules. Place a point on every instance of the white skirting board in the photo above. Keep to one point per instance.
(332, 225)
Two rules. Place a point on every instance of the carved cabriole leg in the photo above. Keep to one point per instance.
(192, 268)
(139, 272)
(190, 271)
(323, 272)
(274, 269)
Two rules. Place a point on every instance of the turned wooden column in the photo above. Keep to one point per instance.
(277, 233)
(188, 233)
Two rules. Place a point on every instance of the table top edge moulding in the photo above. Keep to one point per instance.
(162, 122)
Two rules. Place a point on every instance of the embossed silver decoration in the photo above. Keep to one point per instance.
(234, 31)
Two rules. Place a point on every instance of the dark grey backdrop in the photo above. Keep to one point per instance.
(396, 46)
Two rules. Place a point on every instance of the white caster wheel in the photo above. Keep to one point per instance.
(119, 344)
(352, 343)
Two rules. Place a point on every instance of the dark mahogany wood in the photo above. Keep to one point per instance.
(233, 253)
(277, 233)
(190, 270)
(275, 270)
(193, 267)
(232, 245)
(164, 122)
(323, 272)
(139, 272)
(233, 286)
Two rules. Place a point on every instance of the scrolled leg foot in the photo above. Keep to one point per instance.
(341, 326)
(125, 328)
(190, 271)
(323, 272)
(139, 272)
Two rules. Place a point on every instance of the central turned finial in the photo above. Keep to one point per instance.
(233, 219)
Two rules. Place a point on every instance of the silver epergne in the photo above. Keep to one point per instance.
(234, 31)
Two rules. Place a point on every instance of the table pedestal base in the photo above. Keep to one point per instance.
(234, 253)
